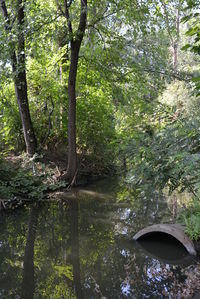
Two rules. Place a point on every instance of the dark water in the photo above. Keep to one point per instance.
(81, 247)
(166, 248)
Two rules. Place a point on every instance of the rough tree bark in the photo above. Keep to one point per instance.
(75, 42)
(19, 74)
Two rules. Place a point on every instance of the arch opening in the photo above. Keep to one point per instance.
(163, 246)
(162, 232)
(160, 237)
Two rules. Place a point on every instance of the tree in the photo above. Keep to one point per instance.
(75, 40)
(18, 60)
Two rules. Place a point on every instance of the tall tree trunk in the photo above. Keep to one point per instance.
(19, 74)
(72, 154)
(21, 86)
(75, 42)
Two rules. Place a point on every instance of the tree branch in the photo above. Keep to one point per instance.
(101, 36)
(103, 17)
(164, 73)
(5, 15)
(60, 8)
(7, 29)
(70, 3)
(82, 22)
(66, 14)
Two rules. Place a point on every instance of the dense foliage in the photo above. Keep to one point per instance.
(137, 91)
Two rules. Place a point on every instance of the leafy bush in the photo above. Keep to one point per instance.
(171, 158)
(11, 135)
(191, 218)
(16, 182)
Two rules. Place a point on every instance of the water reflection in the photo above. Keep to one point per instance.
(75, 255)
(81, 247)
(28, 267)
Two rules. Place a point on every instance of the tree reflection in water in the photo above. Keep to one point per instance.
(28, 268)
(76, 248)
(75, 255)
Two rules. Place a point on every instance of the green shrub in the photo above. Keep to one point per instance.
(191, 219)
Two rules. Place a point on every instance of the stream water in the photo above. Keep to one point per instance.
(80, 245)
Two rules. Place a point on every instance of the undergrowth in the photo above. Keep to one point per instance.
(26, 179)
(191, 218)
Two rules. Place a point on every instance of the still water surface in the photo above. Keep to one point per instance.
(80, 246)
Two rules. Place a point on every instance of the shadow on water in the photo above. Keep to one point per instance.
(81, 247)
